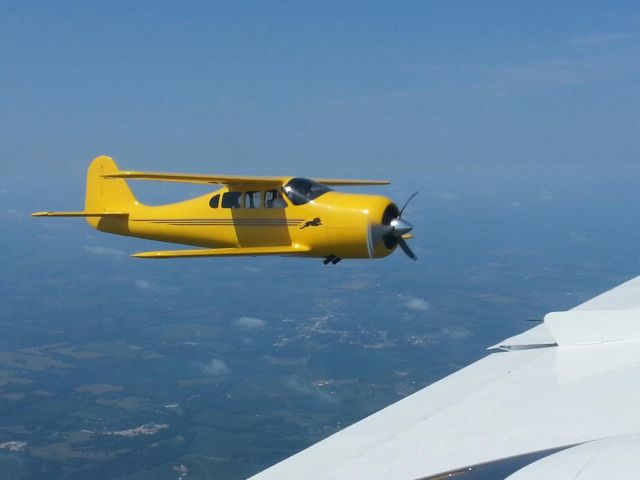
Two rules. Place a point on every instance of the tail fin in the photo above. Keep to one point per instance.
(106, 194)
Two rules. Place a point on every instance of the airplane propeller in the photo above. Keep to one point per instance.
(400, 228)
(394, 231)
(407, 203)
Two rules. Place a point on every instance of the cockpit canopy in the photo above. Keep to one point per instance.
(303, 190)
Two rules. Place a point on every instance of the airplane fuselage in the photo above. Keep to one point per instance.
(335, 223)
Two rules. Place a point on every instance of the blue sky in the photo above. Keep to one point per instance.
(517, 121)
(388, 89)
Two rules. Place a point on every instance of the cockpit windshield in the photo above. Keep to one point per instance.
(303, 190)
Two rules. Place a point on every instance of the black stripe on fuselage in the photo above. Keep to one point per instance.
(224, 222)
(288, 220)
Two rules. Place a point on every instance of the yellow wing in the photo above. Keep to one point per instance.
(347, 182)
(225, 252)
(231, 179)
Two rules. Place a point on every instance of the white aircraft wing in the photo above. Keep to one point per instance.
(571, 380)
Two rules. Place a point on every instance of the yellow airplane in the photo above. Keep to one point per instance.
(248, 216)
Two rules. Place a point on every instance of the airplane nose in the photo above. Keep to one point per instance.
(400, 227)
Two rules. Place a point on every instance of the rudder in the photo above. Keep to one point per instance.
(106, 194)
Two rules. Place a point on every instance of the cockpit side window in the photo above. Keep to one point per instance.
(252, 199)
(231, 200)
(273, 199)
(303, 190)
(215, 201)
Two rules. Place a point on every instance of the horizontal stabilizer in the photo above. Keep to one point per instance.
(79, 214)
(231, 179)
(225, 252)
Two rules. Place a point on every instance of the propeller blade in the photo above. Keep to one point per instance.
(406, 203)
(405, 248)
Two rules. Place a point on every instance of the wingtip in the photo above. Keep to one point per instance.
(154, 254)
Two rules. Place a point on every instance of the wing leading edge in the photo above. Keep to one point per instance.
(505, 405)
(225, 252)
(232, 179)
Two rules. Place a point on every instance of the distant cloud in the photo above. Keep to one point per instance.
(457, 332)
(104, 251)
(496, 264)
(603, 39)
(316, 392)
(151, 287)
(216, 368)
(417, 304)
(143, 284)
(250, 323)
(576, 237)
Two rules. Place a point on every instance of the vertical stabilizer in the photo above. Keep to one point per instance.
(106, 194)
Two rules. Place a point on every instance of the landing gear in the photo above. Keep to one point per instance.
(331, 259)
